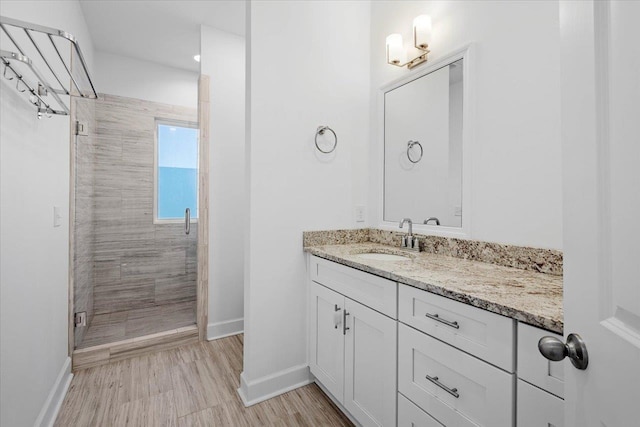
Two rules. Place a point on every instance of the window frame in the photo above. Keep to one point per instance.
(177, 123)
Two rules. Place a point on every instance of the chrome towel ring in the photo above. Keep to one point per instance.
(410, 145)
(320, 131)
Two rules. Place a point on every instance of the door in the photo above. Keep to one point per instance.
(600, 58)
(370, 365)
(326, 358)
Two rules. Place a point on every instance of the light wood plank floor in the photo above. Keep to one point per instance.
(193, 385)
(121, 325)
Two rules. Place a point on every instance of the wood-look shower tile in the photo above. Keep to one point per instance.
(139, 219)
(172, 262)
(108, 203)
(138, 152)
(138, 197)
(124, 295)
(160, 318)
(107, 147)
(175, 289)
(101, 333)
(140, 265)
(114, 318)
(136, 175)
(109, 249)
(106, 271)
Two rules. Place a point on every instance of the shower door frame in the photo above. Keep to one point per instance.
(202, 280)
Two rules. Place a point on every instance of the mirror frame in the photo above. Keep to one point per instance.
(465, 53)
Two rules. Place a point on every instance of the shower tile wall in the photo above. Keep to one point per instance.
(136, 263)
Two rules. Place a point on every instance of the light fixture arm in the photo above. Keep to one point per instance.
(421, 38)
(412, 63)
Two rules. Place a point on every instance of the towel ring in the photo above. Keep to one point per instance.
(320, 131)
(410, 145)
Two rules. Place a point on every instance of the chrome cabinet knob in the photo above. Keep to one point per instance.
(575, 348)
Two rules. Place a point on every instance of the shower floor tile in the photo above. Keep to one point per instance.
(110, 327)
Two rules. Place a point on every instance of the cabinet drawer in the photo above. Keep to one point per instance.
(535, 368)
(537, 408)
(372, 291)
(485, 394)
(486, 335)
(409, 415)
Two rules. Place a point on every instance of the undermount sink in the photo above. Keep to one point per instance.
(376, 256)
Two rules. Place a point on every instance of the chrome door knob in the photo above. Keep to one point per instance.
(575, 348)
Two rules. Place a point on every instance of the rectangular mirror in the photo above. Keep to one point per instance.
(423, 140)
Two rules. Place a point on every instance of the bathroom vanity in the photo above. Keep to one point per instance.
(421, 339)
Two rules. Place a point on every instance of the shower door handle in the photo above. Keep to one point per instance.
(187, 221)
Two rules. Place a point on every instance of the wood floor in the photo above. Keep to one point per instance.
(193, 385)
(111, 327)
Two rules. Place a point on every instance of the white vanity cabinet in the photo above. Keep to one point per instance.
(540, 382)
(352, 346)
(392, 354)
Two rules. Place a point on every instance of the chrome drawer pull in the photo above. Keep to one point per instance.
(452, 391)
(345, 328)
(441, 320)
(336, 309)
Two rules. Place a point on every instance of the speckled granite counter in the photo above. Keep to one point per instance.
(530, 297)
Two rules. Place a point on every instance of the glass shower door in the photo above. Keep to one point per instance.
(135, 265)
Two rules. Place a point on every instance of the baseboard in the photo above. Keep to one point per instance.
(225, 329)
(52, 405)
(252, 392)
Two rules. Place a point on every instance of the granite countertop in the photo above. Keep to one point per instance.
(530, 297)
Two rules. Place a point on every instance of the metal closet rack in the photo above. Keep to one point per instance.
(19, 66)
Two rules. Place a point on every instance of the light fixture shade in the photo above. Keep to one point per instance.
(422, 31)
(196, 58)
(395, 49)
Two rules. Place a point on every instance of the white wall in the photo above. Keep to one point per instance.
(515, 153)
(309, 66)
(223, 60)
(134, 78)
(34, 177)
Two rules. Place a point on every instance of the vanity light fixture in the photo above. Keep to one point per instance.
(396, 53)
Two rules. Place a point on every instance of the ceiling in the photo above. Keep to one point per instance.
(166, 32)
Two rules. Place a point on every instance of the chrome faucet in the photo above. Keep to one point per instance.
(408, 220)
(433, 218)
(409, 241)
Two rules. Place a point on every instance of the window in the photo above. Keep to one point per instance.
(176, 170)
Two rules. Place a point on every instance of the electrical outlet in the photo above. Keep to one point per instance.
(359, 213)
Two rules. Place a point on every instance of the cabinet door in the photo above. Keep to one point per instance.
(326, 358)
(537, 408)
(370, 365)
